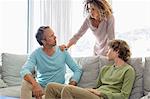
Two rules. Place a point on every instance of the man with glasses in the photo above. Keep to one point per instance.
(49, 62)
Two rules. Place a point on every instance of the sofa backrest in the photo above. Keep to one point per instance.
(11, 66)
(90, 66)
(137, 90)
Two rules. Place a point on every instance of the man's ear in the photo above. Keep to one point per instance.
(43, 41)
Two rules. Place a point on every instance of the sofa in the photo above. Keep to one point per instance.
(10, 80)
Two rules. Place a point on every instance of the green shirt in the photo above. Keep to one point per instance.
(116, 82)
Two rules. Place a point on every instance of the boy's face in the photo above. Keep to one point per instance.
(111, 54)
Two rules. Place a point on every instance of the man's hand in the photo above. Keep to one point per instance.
(94, 91)
(38, 91)
(73, 83)
(63, 47)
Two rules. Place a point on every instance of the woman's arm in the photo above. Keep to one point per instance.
(110, 27)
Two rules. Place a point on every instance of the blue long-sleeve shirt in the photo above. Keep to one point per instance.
(51, 68)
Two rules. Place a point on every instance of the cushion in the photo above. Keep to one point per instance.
(104, 61)
(137, 90)
(146, 76)
(13, 91)
(2, 84)
(11, 65)
(90, 66)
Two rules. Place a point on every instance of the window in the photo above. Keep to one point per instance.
(13, 26)
(132, 19)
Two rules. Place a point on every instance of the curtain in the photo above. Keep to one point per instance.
(54, 13)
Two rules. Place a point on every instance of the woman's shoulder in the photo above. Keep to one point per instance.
(110, 17)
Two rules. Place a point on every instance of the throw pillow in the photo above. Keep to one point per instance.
(90, 67)
(11, 65)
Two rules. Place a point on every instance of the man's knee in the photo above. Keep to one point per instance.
(26, 85)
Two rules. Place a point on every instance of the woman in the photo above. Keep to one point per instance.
(100, 21)
(115, 81)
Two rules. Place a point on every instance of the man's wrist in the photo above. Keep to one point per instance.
(35, 84)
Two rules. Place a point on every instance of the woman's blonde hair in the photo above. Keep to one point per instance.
(103, 6)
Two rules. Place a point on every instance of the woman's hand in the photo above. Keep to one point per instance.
(63, 47)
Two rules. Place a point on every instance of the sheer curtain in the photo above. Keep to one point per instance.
(54, 13)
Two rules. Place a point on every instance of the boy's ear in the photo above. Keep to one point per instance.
(117, 52)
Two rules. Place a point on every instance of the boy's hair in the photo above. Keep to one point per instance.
(122, 48)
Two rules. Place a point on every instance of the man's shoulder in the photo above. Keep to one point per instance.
(58, 50)
(36, 51)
